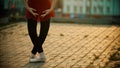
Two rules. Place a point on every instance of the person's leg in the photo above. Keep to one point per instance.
(43, 33)
(32, 25)
(42, 36)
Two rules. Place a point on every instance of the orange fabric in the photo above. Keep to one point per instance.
(40, 6)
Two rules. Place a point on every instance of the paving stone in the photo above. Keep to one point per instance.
(66, 46)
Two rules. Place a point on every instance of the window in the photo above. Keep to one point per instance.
(100, 8)
(95, 9)
(108, 9)
(87, 9)
(108, 0)
(101, 0)
(80, 8)
(68, 8)
(75, 9)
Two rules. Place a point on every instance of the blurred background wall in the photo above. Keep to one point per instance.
(14, 9)
(96, 8)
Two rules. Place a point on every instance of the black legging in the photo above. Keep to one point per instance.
(38, 40)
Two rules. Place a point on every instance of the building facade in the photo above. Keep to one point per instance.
(91, 7)
(16, 4)
(72, 8)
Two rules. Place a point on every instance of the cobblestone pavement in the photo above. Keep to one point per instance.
(66, 46)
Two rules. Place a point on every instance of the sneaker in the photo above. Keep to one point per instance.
(37, 59)
(32, 55)
(42, 57)
(33, 58)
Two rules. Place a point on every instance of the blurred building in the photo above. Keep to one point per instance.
(3, 11)
(82, 8)
(11, 7)
(58, 8)
(15, 5)
(68, 8)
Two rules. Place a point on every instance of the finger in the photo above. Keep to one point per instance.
(45, 11)
(43, 15)
(33, 9)
(35, 14)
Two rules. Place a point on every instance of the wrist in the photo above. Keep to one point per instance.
(51, 8)
(26, 7)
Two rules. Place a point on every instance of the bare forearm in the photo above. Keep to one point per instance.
(53, 4)
(25, 3)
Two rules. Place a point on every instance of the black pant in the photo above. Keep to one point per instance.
(38, 40)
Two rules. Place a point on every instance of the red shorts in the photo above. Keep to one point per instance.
(40, 6)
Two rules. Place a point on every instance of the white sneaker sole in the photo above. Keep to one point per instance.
(33, 60)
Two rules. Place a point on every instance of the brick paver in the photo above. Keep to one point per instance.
(66, 46)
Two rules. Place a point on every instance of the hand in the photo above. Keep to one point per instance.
(46, 12)
(31, 10)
